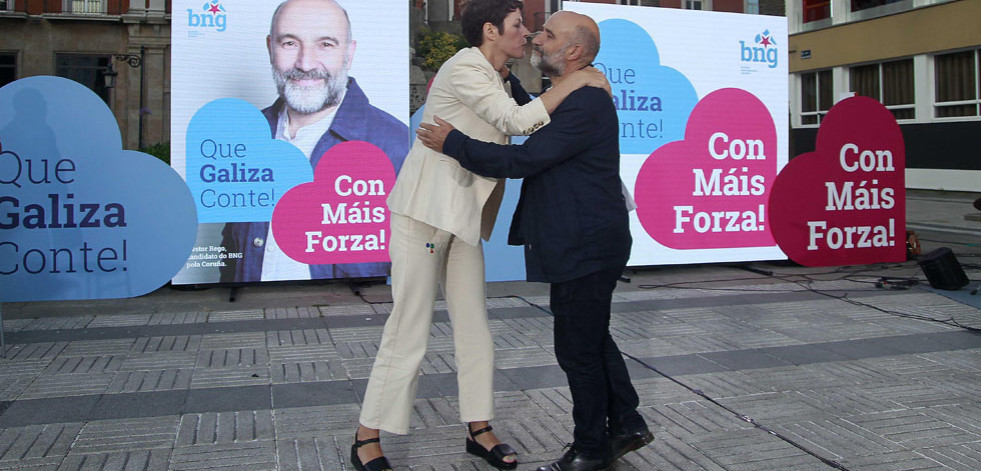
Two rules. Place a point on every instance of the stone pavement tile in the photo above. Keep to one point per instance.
(122, 406)
(965, 457)
(68, 385)
(315, 394)
(233, 340)
(12, 386)
(52, 323)
(228, 399)
(293, 313)
(914, 429)
(912, 394)
(317, 453)
(359, 368)
(232, 358)
(33, 464)
(156, 459)
(228, 316)
(696, 342)
(667, 453)
(108, 436)
(895, 461)
(213, 428)
(318, 421)
(43, 443)
(230, 377)
(743, 359)
(170, 318)
(791, 378)
(753, 450)
(159, 361)
(149, 381)
(98, 347)
(803, 354)
(170, 343)
(835, 438)
(291, 353)
(283, 338)
(48, 411)
(964, 415)
(523, 357)
(774, 408)
(691, 418)
(854, 372)
(117, 320)
(679, 365)
(248, 456)
(553, 402)
(535, 377)
(307, 371)
(84, 364)
(726, 384)
(961, 360)
(847, 400)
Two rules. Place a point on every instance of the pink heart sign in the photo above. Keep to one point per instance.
(709, 190)
(341, 216)
(845, 203)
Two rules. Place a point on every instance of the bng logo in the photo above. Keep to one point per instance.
(763, 50)
(212, 16)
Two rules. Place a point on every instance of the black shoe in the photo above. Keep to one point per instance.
(495, 456)
(377, 464)
(572, 460)
(625, 443)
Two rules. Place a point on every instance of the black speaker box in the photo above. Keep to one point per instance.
(942, 270)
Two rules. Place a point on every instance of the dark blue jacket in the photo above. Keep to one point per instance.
(571, 217)
(355, 120)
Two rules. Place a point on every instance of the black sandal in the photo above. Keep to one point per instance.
(377, 464)
(495, 456)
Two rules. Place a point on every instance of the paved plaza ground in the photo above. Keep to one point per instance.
(760, 366)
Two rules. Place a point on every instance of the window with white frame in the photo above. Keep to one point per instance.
(752, 7)
(696, 5)
(891, 83)
(85, 6)
(629, 2)
(6, 5)
(956, 84)
(816, 96)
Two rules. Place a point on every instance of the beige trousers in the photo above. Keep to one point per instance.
(422, 257)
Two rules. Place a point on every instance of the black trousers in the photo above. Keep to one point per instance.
(604, 400)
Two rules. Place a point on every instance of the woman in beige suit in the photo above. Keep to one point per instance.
(439, 214)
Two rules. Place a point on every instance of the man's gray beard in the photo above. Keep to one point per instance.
(548, 64)
(309, 100)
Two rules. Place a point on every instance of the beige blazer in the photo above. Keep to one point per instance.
(432, 187)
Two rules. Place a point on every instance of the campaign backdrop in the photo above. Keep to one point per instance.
(221, 142)
(702, 104)
(81, 218)
(845, 203)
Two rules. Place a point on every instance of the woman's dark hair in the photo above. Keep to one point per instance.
(478, 12)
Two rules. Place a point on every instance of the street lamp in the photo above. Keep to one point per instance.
(109, 75)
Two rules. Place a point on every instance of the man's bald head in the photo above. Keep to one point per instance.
(310, 5)
(569, 41)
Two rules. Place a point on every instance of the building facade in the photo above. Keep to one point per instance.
(88, 40)
(920, 58)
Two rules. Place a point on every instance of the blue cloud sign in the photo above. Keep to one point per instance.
(653, 101)
(235, 170)
(80, 218)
